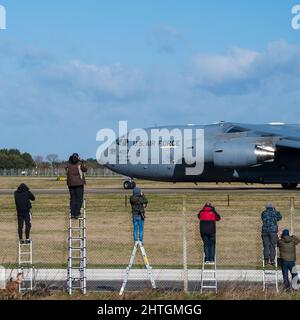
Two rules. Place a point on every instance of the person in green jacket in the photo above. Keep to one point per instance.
(138, 203)
(287, 257)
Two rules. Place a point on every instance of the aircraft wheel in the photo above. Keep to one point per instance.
(289, 185)
(129, 184)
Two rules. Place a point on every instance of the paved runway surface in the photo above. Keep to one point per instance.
(114, 286)
(217, 189)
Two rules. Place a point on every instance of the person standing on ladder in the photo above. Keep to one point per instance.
(287, 257)
(138, 203)
(270, 216)
(208, 217)
(76, 180)
(23, 198)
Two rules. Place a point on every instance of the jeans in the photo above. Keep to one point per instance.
(209, 241)
(269, 242)
(287, 266)
(24, 216)
(76, 200)
(138, 225)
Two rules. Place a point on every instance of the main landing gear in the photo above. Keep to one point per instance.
(289, 185)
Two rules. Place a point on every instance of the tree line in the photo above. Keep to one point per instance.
(14, 159)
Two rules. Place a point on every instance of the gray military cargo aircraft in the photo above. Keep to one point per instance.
(232, 152)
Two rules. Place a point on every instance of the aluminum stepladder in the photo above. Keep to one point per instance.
(77, 253)
(26, 267)
(212, 275)
(146, 262)
(270, 274)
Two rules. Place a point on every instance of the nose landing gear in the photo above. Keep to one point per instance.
(129, 184)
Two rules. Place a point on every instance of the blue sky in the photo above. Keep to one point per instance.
(70, 68)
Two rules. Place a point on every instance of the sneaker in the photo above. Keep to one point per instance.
(22, 241)
(27, 241)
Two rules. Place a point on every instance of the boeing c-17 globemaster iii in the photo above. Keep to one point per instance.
(231, 152)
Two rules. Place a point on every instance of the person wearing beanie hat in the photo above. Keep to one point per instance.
(138, 203)
(287, 257)
(270, 217)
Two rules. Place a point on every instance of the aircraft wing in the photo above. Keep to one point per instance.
(285, 136)
(288, 142)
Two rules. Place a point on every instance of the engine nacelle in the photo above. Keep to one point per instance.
(233, 154)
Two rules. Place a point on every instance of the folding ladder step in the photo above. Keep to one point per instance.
(77, 280)
(77, 238)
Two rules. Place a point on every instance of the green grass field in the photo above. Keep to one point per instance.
(110, 229)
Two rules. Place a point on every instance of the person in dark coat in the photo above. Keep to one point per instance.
(138, 203)
(75, 170)
(270, 216)
(287, 257)
(23, 198)
(208, 217)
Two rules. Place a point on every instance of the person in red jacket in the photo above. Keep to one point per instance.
(208, 217)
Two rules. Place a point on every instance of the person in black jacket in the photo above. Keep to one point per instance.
(23, 205)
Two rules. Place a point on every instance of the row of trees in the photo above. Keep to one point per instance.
(14, 159)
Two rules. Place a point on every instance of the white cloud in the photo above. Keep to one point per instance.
(242, 70)
(215, 69)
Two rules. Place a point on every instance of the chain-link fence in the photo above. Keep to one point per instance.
(54, 172)
(109, 230)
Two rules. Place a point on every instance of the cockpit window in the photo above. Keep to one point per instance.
(122, 141)
(236, 129)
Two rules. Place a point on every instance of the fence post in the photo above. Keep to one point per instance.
(292, 209)
(185, 266)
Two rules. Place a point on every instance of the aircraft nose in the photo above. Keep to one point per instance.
(106, 157)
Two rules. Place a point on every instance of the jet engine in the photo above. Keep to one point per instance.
(233, 154)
